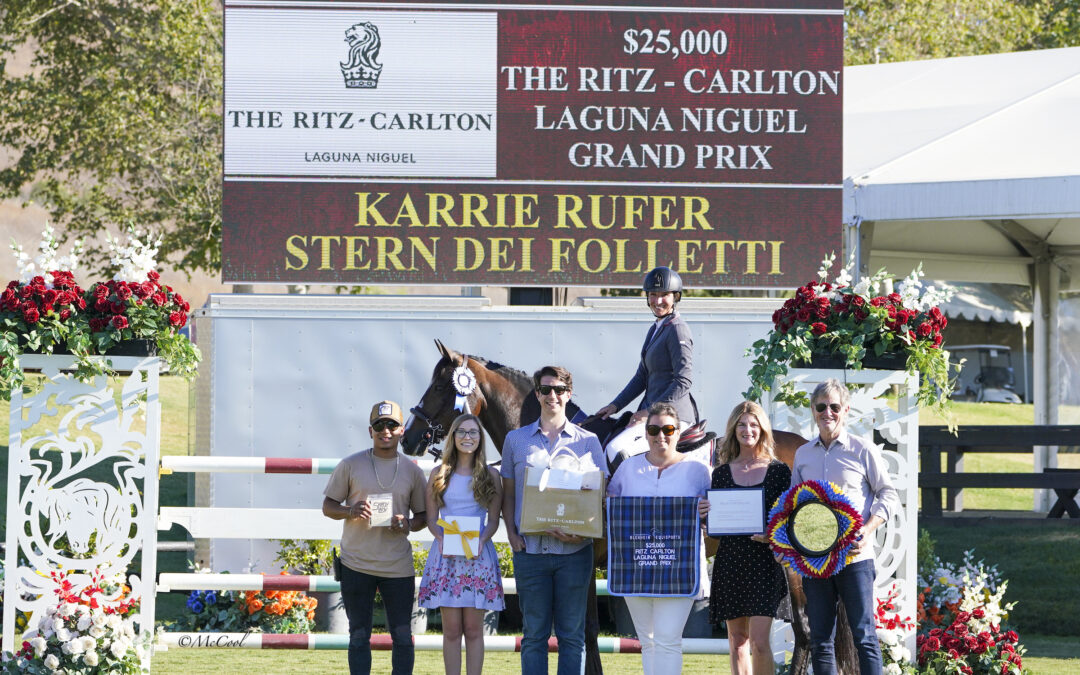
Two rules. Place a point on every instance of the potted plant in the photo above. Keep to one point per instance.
(46, 311)
(853, 325)
(316, 557)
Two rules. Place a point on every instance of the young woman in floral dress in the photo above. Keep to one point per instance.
(463, 588)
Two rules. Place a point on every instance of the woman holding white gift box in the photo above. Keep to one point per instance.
(661, 472)
(462, 577)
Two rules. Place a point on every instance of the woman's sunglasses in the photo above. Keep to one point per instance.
(382, 425)
(835, 407)
(545, 389)
(668, 429)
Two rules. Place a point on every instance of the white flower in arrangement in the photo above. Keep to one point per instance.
(74, 646)
(90, 659)
(142, 652)
(39, 643)
(133, 258)
(113, 621)
(892, 669)
(96, 631)
(65, 610)
(897, 652)
(862, 288)
(52, 662)
(99, 618)
(84, 622)
(89, 643)
(62, 633)
(826, 265)
(119, 648)
(886, 636)
(47, 259)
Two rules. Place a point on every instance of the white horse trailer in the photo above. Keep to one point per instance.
(296, 375)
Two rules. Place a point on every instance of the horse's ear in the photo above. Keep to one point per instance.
(454, 357)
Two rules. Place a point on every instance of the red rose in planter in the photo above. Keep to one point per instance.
(819, 328)
(803, 315)
(118, 307)
(177, 319)
(31, 314)
(924, 329)
(123, 291)
(65, 314)
(119, 322)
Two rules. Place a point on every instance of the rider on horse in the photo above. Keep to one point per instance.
(664, 372)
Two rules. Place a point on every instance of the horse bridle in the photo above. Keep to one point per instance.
(432, 436)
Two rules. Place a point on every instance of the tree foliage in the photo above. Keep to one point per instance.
(118, 119)
(908, 30)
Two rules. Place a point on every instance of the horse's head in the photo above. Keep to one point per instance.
(432, 416)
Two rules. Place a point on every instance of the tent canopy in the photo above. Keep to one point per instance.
(969, 165)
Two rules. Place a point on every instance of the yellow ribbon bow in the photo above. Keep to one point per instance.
(453, 528)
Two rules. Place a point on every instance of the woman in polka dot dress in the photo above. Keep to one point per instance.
(749, 588)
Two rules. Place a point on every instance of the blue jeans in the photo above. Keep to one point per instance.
(553, 588)
(854, 586)
(358, 596)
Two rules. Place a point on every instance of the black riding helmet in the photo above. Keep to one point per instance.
(663, 280)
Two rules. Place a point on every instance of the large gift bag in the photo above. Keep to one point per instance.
(563, 491)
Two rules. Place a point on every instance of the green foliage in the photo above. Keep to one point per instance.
(306, 556)
(118, 119)
(909, 30)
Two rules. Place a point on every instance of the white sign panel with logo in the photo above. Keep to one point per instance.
(360, 92)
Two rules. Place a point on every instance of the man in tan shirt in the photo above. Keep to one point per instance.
(374, 491)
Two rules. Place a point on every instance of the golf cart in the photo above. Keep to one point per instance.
(987, 375)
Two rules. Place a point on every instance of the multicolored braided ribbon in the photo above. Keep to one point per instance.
(849, 520)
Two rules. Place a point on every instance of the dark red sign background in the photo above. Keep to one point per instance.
(773, 226)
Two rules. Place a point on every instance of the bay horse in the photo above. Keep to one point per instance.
(502, 400)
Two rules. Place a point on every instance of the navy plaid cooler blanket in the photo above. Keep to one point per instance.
(654, 546)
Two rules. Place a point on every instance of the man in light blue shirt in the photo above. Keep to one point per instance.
(855, 465)
(551, 570)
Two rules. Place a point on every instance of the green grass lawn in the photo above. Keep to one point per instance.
(215, 661)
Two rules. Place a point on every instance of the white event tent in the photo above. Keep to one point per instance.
(971, 166)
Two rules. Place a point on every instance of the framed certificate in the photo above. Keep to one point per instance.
(738, 510)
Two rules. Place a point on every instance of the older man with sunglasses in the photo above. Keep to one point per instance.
(855, 465)
(551, 570)
(374, 491)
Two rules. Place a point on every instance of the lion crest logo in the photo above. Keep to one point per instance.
(561, 510)
(363, 68)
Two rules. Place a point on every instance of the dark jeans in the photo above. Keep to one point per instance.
(854, 586)
(358, 595)
(553, 589)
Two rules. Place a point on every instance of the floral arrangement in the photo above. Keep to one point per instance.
(849, 520)
(892, 630)
(91, 630)
(215, 611)
(45, 310)
(961, 620)
(852, 321)
(279, 611)
(259, 611)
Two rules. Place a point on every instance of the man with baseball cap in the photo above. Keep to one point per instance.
(374, 491)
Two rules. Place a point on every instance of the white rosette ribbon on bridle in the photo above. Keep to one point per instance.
(464, 384)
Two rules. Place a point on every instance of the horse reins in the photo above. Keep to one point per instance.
(432, 436)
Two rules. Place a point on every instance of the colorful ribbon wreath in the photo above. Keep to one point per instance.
(848, 518)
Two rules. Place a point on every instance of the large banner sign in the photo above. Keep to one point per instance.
(547, 144)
